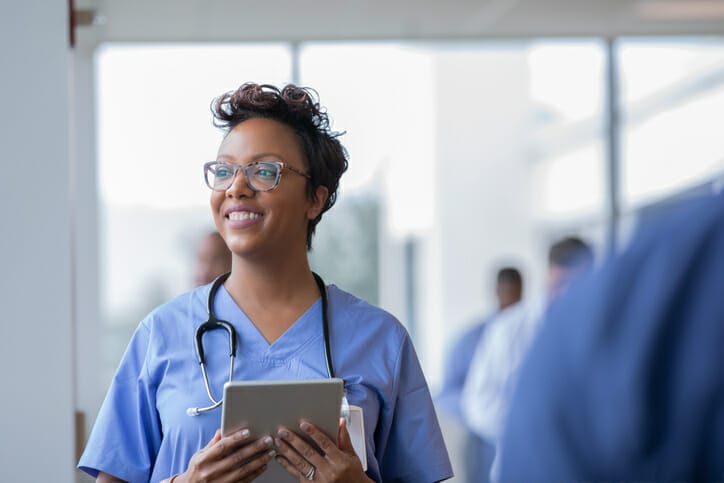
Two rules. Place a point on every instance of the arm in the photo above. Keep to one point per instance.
(414, 449)
(106, 478)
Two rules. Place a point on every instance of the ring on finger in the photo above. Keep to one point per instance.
(310, 473)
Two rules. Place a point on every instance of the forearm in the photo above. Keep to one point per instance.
(106, 478)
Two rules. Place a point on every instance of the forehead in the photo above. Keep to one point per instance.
(261, 136)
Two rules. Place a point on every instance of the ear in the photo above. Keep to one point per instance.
(318, 200)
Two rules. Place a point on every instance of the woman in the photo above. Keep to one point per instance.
(276, 173)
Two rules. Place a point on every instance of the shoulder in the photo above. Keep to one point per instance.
(511, 319)
(186, 307)
(352, 309)
(364, 324)
(465, 342)
(179, 306)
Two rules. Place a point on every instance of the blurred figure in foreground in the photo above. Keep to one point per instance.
(626, 381)
(478, 452)
(501, 350)
(212, 259)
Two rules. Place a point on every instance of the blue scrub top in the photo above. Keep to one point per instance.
(626, 380)
(143, 433)
(457, 366)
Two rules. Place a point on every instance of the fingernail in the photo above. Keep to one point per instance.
(305, 426)
(272, 453)
(267, 440)
(277, 442)
(283, 433)
(245, 433)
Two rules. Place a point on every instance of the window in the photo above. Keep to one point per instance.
(673, 110)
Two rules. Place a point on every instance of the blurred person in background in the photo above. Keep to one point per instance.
(213, 258)
(502, 348)
(626, 380)
(478, 453)
(276, 172)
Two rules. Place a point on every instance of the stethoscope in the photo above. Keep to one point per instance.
(213, 323)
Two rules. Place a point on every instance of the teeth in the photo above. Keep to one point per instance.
(243, 215)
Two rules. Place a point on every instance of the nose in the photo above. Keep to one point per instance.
(239, 187)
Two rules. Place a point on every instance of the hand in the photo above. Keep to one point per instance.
(234, 458)
(300, 459)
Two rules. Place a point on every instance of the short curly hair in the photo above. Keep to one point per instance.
(298, 108)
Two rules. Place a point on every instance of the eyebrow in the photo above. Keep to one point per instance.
(254, 158)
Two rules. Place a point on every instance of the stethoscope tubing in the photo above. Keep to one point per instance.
(213, 323)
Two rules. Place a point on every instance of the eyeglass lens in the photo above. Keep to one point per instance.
(260, 176)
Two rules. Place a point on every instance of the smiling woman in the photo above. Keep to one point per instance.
(277, 171)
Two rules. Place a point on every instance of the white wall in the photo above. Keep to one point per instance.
(36, 353)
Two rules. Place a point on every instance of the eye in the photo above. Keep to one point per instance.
(266, 171)
(223, 171)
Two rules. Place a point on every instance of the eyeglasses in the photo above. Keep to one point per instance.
(259, 176)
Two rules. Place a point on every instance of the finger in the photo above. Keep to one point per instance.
(248, 455)
(249, 470)
(228, 443)
(254, 475)
(344, 441)
(214, 440)
(291, 468)
(298, 452)
(324, 442)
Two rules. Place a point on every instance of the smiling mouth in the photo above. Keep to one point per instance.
(243, 215)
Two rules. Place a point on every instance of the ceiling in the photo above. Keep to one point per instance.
(263, 20)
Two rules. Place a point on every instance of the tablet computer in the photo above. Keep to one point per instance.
(263, 406)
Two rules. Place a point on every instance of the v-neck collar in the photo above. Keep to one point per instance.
(253, 345)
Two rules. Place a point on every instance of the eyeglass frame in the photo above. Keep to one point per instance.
(281, 165)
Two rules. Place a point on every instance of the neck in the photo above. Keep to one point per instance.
(254, 285)
(272, 297)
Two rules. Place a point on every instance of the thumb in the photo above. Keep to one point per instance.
(343, 438)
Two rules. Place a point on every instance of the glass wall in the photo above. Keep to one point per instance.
(672, 99)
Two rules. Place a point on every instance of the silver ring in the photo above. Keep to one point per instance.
(310, 473)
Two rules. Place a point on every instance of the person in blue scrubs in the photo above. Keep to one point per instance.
(626, 379)
(478, 451)
(276, 172)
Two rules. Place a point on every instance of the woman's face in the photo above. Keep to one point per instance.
(274, 222)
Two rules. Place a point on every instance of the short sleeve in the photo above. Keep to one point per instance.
(127, 432)
(415, 451)
(457, 365)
